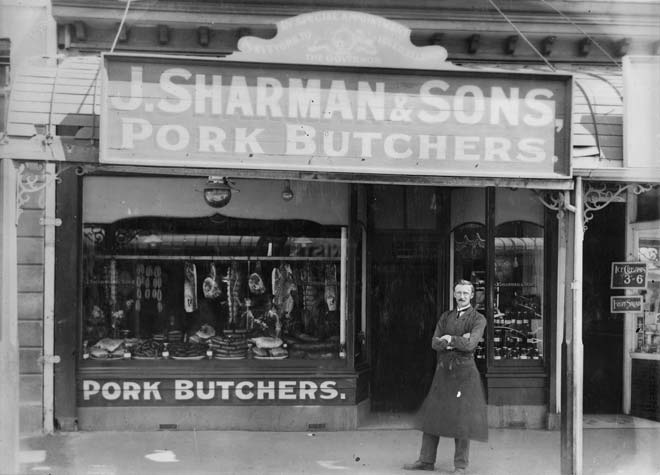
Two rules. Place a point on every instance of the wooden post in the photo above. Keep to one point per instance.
(49, 303)
(629, 318)
(566, 444)
(578, 350)
(562, 262)
(342, 292)
(9, 419)
(572, 353)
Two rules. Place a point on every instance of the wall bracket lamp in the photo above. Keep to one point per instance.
(217, 191)
(287, 192)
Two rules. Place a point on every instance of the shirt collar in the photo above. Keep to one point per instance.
(459, 310)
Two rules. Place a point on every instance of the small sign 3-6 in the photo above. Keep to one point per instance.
(628, 275)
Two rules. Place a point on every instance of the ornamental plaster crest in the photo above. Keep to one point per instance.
(342, 38)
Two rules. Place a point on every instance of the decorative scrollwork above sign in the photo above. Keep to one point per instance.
(94, 234)
(554, 200)
(342, 38)
(85, 169)
(595, 198)
(32, 178)
(470, 246)
(598, 196)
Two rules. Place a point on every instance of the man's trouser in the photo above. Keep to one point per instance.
(429, 450)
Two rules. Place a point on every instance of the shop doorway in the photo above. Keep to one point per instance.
(403, 321)
(405, 247)
(602, 334)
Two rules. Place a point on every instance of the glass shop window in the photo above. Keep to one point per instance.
(396, 207)
(515, 316)
(648, 205)
(518, 280)
(211, 287)
(470, 258)
(469, 263)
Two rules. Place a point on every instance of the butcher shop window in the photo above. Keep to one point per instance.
(516, 258)
(212, 287)
(518, 274)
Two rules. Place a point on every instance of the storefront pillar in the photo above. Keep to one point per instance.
(628, 317)
(9, 427)
(571, 428)
(49, 223)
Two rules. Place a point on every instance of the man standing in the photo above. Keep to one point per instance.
(455, 405)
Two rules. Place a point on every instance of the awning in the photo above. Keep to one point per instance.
(62, 95)
(518, 245)
(597, 134)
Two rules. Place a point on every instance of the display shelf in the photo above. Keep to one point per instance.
(645, 356)
(147, 257)
(177, 257)
(109, 282)
(513, 284)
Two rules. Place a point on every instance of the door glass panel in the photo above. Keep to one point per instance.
(518, 279)
(469, 263)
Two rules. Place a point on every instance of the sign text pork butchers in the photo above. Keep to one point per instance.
(204, 113)
(203, 391)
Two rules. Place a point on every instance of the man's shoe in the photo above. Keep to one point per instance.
(459, 471)
(419, 465)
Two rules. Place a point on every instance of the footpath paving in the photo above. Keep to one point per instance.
(620, 449)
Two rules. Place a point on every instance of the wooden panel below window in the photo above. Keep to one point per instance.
(645, 388)
(516, 389)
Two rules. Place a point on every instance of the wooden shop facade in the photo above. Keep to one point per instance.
(264, 240)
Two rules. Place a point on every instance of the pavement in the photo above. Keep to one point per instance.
(618, 445)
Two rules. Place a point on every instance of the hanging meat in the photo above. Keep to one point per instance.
(232, 281)
(283, 287)
(189, 287)
(210, 286)
(256, 284)
(331, 287)
(311, 299)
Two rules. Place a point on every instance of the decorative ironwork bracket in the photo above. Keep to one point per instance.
(554, 200)
(84, 169)
(32, 178)
(597, 197)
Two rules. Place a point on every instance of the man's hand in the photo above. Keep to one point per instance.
(464, 335)
(438, 343)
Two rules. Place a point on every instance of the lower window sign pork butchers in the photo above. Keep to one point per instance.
(219, 113)
(167, 392)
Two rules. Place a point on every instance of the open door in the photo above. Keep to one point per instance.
(406, 247)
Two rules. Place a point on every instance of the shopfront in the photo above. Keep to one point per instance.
(264, 241)
(277, 239)
(642, 323)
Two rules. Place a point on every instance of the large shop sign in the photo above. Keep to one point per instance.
(209, 391)
(186, 112)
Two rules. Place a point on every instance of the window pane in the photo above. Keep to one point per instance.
(211, 287)
(648, 205)
(421, 206)
(518, 275)
(386, 207)
(517, 205)
(469, 256)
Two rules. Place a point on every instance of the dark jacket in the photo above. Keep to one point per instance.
(455, 405)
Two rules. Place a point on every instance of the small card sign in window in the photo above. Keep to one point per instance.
(628, 275)
(626, 303)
